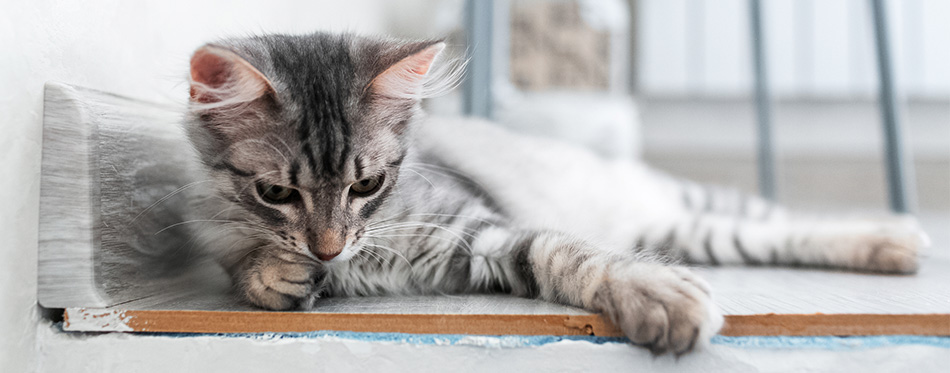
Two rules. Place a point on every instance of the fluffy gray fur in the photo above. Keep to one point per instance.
(328, 182)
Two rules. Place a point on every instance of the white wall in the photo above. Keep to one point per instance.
(130, 47)
(815, 48)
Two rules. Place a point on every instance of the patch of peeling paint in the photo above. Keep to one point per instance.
(84, 319)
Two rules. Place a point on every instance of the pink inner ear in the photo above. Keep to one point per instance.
(406, 77)
(219, 75)
(209, 69)
(421, 64)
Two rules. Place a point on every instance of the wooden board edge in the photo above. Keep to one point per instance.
(99, 320)
(836, 325)
(92, 319)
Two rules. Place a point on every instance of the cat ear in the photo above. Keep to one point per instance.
(220, 77)
(407, 78)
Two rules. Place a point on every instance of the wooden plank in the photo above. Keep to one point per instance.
(837, 325)
(85, 319)
(257, 322)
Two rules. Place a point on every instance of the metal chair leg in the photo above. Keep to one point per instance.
(900, 175)
(477, 89)
(766, 161)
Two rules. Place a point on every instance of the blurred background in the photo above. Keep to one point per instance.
(670, 81)
(673, 82)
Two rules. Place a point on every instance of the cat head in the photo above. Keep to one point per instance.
(305, 134)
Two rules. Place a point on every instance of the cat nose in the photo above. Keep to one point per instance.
(328, 245)
(326, 257)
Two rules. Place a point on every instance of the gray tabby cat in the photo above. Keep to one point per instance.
(328, 182)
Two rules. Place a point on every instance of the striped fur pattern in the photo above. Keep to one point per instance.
(384, 201)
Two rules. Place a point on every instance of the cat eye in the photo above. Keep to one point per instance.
(275, 194)
(366, 187)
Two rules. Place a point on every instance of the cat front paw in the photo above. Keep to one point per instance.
(663, 308)
(282, 280)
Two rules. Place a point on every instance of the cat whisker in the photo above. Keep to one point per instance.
(437, 167)
(375, 228)
(190, 222)
(420, 175)
(227, 209)
(388, 219)
(289, 149)
(248, 253)
(445, 171)
(362, 257)
(412, 235)
(258, 141)
(456, 216)
(253, 184)
(407, 225)
(305, 253)
(460, 242)
(246, 224)
(374, 255)
(243, 225)
(393, 251)
(310, 255)
(219, 230)
(166, 197)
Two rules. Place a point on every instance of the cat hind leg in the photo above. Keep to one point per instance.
(720, 226)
